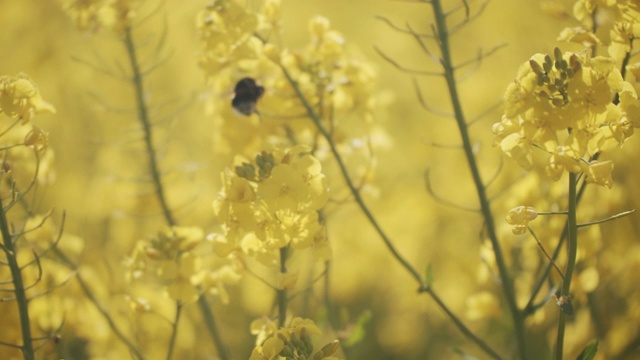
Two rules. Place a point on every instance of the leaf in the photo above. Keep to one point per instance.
(589, 352)
(359, 332)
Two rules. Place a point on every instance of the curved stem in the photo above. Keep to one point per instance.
(28, 351)
(347, 178)
(423, 287)
(486, 348)
(105, 314)
(507, 283)
(143, 117)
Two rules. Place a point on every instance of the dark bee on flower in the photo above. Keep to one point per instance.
(246, 95)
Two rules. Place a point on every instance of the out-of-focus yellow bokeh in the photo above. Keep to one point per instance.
(101, 184)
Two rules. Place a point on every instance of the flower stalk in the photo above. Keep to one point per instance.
(154, 170)
(506, 281)
(21, 298)
(143, 117)
(572, 250)
(423, 286)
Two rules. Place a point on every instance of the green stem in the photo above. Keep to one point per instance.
(174, 330)
(347, 178)
(572, 250)
(143, 116)
(105, 314)
(423, 287)
(507, 283)
(282, 293)
(486, 348)
(28, 351)
(387, 241)
(331, 313)
(209, 320)
(530, 308)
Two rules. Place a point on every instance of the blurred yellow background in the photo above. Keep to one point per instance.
(100, 168)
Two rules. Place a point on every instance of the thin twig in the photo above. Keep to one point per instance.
(405, 69)
(506, 281)
(143, 117)
(468, 18)
(424, 105)
(441, 200)
(94, 300)
(610, 218)
(545, 251)
(345, 174)
(399, 29)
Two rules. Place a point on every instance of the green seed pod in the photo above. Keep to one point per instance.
(557, 102)
(558, 83)
(570, 73)
(574, 61)
(330, 348)
(561, 65)
(557, 54)
(306, 339)
(537, 69)
(286, 351)
(246, 171)
(297, 342)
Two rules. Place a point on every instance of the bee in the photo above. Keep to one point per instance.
(246, 95)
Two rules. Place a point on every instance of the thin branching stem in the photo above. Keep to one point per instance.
(544, 251)
(174, 330)
(345, 174)
(143, 117)
(506, 281)
(96, 303)
(423, 287)
(529, 309)
(19, 290)
(486, 348)
(572, 251)
(610, 218)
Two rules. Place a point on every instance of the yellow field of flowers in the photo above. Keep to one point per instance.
(320, 179)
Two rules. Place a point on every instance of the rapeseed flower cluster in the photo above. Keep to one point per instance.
(237, 43)
(291, 342)
(562, 106)
(93, 15)
(617, 25)
(272, 203)
(173, 256)
(24, 147)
